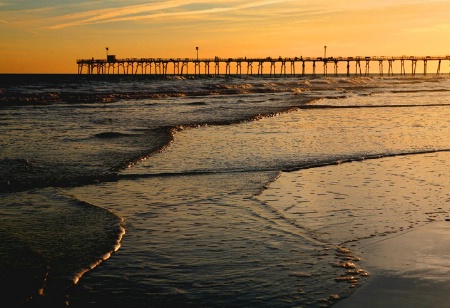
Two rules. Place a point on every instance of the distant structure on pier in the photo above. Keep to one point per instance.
(179, 66)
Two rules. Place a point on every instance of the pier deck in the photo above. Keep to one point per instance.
(255, 66)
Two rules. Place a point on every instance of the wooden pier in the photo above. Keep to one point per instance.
(355, 66)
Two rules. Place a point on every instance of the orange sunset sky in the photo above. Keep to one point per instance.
(47, 36)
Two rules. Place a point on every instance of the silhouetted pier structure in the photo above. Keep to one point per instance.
(357, 66)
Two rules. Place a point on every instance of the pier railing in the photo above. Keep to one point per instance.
(214, 66)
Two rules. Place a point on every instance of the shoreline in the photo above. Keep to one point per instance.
(411, 269)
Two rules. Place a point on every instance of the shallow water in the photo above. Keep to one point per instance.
(238, 192)
(204, 241)
(303, 138)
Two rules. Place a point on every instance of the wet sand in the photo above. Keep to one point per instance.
(390, 212)
(411, 269)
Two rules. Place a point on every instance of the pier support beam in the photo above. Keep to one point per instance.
(217, 67)
(109, 67)
(390, 69)
(413, 67)
(367, 69)
(272, 68)
(157, 68)
(118, 68)
(249, 68)
(196, 67)
(283, 68)
(293, 68)
(149, 65)
(185, 64)
(358, 66)
(141, 65)
(227, 68)
(260, 67)
(238, 68)
(176, 68)
(402, 68)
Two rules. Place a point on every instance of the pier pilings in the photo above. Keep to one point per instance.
(276, 66)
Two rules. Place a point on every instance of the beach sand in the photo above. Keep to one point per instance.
(411, 269)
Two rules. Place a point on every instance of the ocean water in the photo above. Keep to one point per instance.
(240, 191)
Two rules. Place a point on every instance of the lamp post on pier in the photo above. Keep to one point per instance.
(196, 63)
(325, 54)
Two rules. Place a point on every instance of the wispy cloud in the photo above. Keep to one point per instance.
(175, 8)
(105, 15)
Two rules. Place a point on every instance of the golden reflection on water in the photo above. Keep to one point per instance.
(344, 205)
(197, 234)
(302, 138)
(365, 199)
